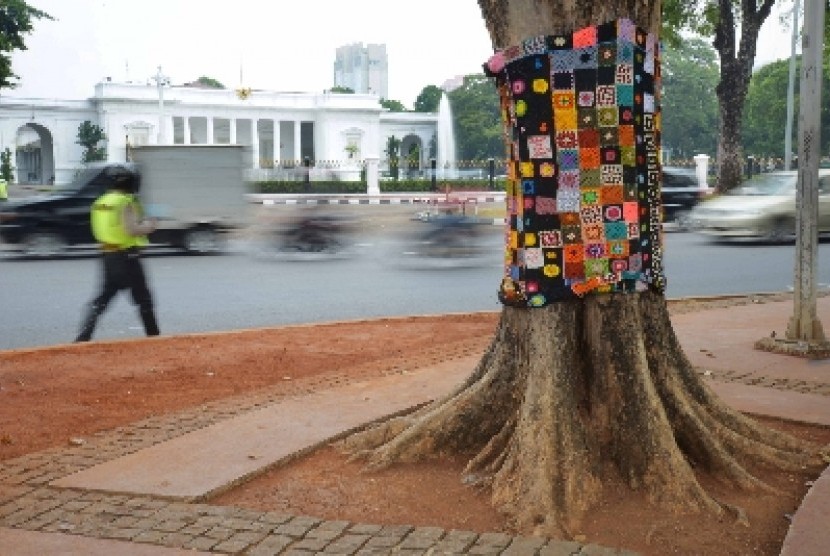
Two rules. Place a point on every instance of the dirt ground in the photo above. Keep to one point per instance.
(51, 395)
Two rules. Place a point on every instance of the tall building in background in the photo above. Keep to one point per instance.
(453, 83)
(365, 70)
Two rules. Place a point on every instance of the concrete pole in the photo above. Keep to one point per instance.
(788, 133)
(805, 326)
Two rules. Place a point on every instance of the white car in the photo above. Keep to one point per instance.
(761, 208)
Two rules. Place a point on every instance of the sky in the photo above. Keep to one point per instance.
(278, 45)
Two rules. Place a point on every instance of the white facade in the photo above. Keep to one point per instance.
(332, 131)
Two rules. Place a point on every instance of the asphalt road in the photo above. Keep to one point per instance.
(41, 301)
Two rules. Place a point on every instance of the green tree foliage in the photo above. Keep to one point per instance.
(413, 157)
(432, 149)
(89, 135)
(6, 169)
(429, 99)
(209, 83)
(476, 116)
(392, 105)
(393, 149)
(765, 114)
(690, 108)
(16, 18)
(733, 27)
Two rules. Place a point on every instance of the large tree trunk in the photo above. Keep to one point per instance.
(736, 61)
(582, 392)
(730, 157)
(565, 402)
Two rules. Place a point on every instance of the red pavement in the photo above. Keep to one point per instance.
(723, 340)
(718, 340)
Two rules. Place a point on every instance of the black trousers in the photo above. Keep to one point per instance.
(122, 270)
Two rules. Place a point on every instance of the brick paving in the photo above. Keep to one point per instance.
(29, 504)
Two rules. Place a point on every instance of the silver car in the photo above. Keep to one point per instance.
(762, 208)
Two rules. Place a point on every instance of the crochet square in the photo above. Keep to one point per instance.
(582, 114)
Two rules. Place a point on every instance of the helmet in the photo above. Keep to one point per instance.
(122, 178)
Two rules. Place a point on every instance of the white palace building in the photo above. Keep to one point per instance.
(334, 131)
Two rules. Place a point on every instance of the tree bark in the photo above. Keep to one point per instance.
(736, 61)
(582, 393)
(564, 403)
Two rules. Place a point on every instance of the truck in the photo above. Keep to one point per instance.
(197, 193)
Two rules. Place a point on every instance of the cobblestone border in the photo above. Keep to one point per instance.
(27, 502)
(229, 530)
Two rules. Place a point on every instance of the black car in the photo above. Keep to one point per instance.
(45, 225)
(680, 193)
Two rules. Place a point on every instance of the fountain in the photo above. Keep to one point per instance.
(445, 141)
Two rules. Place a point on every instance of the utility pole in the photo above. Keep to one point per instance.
(161, 80)
(788, 134)
(805, 328)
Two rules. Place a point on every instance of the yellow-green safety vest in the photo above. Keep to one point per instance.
(4, 193)
(107, 225)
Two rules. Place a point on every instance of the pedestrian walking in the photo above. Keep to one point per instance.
(4, 190)
(119, 225)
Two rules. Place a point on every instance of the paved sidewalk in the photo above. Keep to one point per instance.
(145, 499)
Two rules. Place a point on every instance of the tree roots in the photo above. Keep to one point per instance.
(572, 394)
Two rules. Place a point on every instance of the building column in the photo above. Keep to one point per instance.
(209, 130)
(169, 136)
(255, 142)
(298, 156)
(277, 141)
(186, 130)
(232, 125)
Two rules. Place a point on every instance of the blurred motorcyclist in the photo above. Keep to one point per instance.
(450, 235)
(314, 231)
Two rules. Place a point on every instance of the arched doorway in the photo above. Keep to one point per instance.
(412, 156)
(35, 155)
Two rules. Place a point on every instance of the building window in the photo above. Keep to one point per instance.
(138, 133)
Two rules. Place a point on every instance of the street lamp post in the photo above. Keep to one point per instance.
(804, 327)
(788, 127)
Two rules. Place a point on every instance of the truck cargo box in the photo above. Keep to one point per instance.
(185, 185)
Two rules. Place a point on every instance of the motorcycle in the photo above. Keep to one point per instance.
(449, 240)
(311, 235)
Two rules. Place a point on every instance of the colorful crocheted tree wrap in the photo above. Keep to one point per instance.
(582, 123)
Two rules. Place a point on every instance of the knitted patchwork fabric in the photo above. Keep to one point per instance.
(582, 125)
